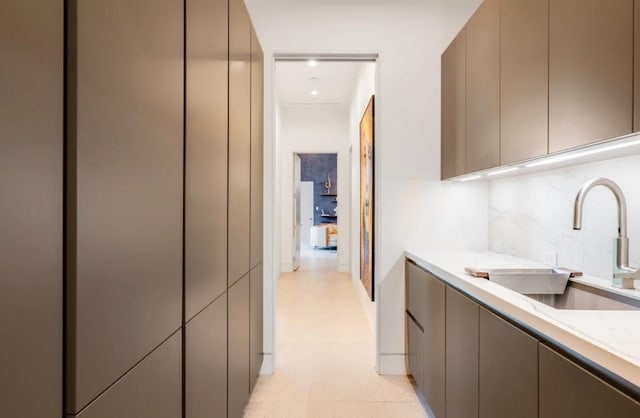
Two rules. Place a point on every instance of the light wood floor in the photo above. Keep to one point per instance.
(325, 353)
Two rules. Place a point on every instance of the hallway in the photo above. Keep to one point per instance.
(325, 357)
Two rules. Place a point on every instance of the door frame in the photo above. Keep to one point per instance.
(272, 193)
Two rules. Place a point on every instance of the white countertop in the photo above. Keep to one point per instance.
(608, 338)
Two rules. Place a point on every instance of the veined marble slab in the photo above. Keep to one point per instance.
(608, 338)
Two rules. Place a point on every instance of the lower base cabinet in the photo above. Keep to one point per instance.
(152, 389)
(256, 290)
(470, 362)
(434, 345)
(415, 337)
(567, 390)
(239, 351)
(461, 368)
(206, 362)
(508, 372)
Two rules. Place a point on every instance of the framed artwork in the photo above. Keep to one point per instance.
(366, 198)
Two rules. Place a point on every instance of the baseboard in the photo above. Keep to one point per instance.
(286, 267)
(344, 268)
(267, 364)
(392, 364)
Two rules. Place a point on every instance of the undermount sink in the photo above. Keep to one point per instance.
(579, 296)
(527, 281)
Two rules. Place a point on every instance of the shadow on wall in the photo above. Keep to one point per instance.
(322, 170)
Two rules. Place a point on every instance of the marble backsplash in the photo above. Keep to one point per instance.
(531, 216)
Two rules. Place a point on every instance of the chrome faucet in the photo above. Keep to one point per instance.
(623, 274)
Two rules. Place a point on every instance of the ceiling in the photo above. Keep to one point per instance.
(333, 81)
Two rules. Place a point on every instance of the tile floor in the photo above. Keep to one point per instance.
(325, 353)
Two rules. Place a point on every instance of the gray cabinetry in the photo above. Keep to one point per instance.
(125, 103)
(416, 291)
(206, 362)
(483, 88)
(152, 389)
(415, 339)
(590, 71)
(567, 390)
(239, 350)
(425, 319)
(461, 356)
(206, 153)
(453, 107)
(257, 147)
(256, 308)
(31, 231)
(524, 69)
(434, 345)
(239, 141)
(508, 370)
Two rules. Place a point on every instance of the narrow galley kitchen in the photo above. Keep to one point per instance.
(324, 347)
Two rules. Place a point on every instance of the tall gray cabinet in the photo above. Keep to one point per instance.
(206, 143)
(31, 207)
(131, 212)
(124, 202)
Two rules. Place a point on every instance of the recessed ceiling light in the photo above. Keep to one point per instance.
(314, 92)
(312, 63)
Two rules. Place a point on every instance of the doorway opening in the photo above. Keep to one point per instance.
(319, 104)
(315, 208)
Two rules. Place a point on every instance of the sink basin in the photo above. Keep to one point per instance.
(528, 281)
(582, 297)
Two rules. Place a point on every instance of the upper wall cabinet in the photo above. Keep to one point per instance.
(483, 88)
(539, 77)
(524, 69)
(590, 71)
(453, 108)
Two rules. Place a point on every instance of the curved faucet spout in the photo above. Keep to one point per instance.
(617, 192)
(623, 275)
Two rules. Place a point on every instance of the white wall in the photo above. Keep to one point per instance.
(414, 209)
(313, 130)
(532, 216)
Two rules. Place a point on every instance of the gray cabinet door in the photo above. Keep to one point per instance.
(590, 71)
(31, 183)
(453, 102)
(206, 153)
(206, 362)
(462, 329)
(434, 345)
(256, 324)
(125, 173)
(567, 390)
(239, 347)
(416, 292)
(239, 141)
(415, 351)
(524, 79)
(483, 88)
(508, 370)
(152, 389)
(257, 147)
